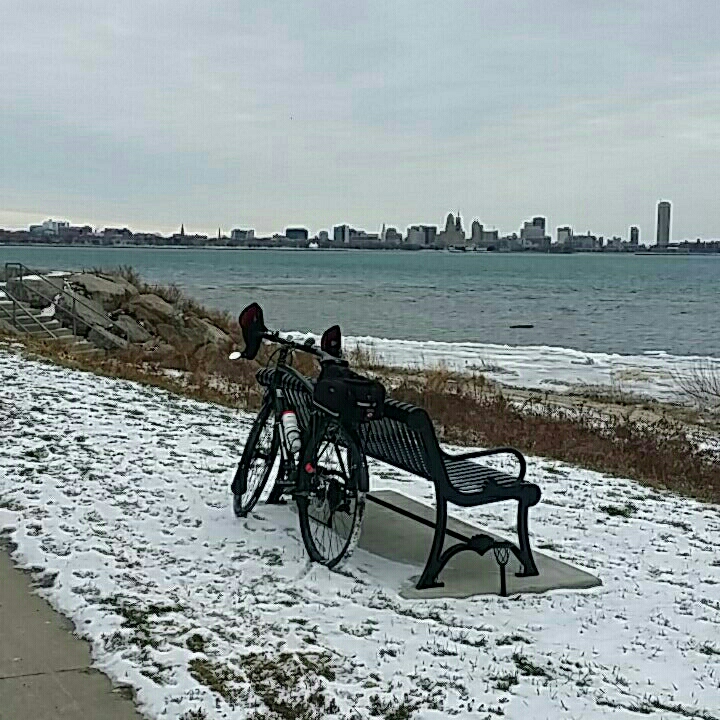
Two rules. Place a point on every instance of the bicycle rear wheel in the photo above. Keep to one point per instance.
(331, 502)
(257, 461)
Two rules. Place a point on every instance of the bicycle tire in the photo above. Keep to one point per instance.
(330, 502)
(257, 461)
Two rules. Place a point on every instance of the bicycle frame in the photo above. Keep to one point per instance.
(288, 476)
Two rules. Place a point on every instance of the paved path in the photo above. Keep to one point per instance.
(44, 669)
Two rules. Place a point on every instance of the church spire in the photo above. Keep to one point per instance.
(182, 229)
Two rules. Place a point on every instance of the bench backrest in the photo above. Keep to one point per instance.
(404, 438)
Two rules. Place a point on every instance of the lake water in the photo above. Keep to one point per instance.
(594, 303)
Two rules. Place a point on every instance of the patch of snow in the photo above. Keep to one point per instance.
(123, 491)
(173, 373)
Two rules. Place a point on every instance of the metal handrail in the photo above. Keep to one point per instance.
(18, 304)
(24, 271)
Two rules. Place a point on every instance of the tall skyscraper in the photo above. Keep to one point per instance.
(634, 235)
(663, 224)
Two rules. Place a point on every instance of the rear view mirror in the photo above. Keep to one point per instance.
(252, 325)
(331, 341)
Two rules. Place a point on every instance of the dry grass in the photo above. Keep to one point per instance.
(702, 385)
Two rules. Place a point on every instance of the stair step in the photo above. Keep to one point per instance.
(65, 336)
(34, 320)
(53, 325)
(86, 351)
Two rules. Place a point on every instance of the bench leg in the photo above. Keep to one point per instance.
(526, 557)
(434, 565)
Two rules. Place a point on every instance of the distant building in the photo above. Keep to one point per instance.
(476, 232)
(323, 236)
(634, 235)
(392, 236)
(532, 234)
(50, 227)
(296, 234)
(423, 235)
(663, 224)
(585, 242)
(239, 235)
(453, 234)
(360, 236)
(565, 235)
(341, 233)
(490, 238)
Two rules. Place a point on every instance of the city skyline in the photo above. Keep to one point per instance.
(474, 232)
(143, 114)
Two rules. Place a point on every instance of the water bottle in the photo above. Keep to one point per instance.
(291, 431)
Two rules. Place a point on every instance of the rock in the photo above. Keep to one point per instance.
(104, 339)
(175, 335)
(206, 331)
(109, 293)
(90, 313)
(152, 309)
(37, 290)
(130, 289)
(136, 333)
(7, 328)
(156, 346)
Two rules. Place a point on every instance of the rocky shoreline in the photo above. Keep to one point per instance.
(115, 313)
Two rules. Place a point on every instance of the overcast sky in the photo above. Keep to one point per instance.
(268, 114)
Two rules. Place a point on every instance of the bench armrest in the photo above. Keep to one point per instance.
(493, 451)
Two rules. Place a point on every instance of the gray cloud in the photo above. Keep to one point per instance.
(265, 114)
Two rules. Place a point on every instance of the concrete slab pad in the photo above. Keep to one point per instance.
(403, 540)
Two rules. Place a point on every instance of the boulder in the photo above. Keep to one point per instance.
(130, 289)
(178, 336)
(158, 347)
(89, 312)
(108, 293)
(152, 309)
(8, 329)
(206, 332)
(38, 290)
(102, 338)
(136, 333)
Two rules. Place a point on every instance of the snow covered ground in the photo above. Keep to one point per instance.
(118, 494)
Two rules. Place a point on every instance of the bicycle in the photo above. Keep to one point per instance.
(319, 460)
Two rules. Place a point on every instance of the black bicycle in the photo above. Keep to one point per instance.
(304, 439)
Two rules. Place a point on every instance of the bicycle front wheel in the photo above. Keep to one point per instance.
(331, 503)
(257, 461)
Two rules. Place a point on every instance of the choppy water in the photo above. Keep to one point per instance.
(594, 303)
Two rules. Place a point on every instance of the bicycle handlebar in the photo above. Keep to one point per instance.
(321, 355)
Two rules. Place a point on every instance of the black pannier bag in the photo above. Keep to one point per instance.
(349, 396)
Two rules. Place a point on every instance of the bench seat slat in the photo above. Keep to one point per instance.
(469, 478)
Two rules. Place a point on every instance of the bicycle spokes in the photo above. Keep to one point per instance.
(332, 501)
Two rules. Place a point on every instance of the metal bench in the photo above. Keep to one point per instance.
(405, 438)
